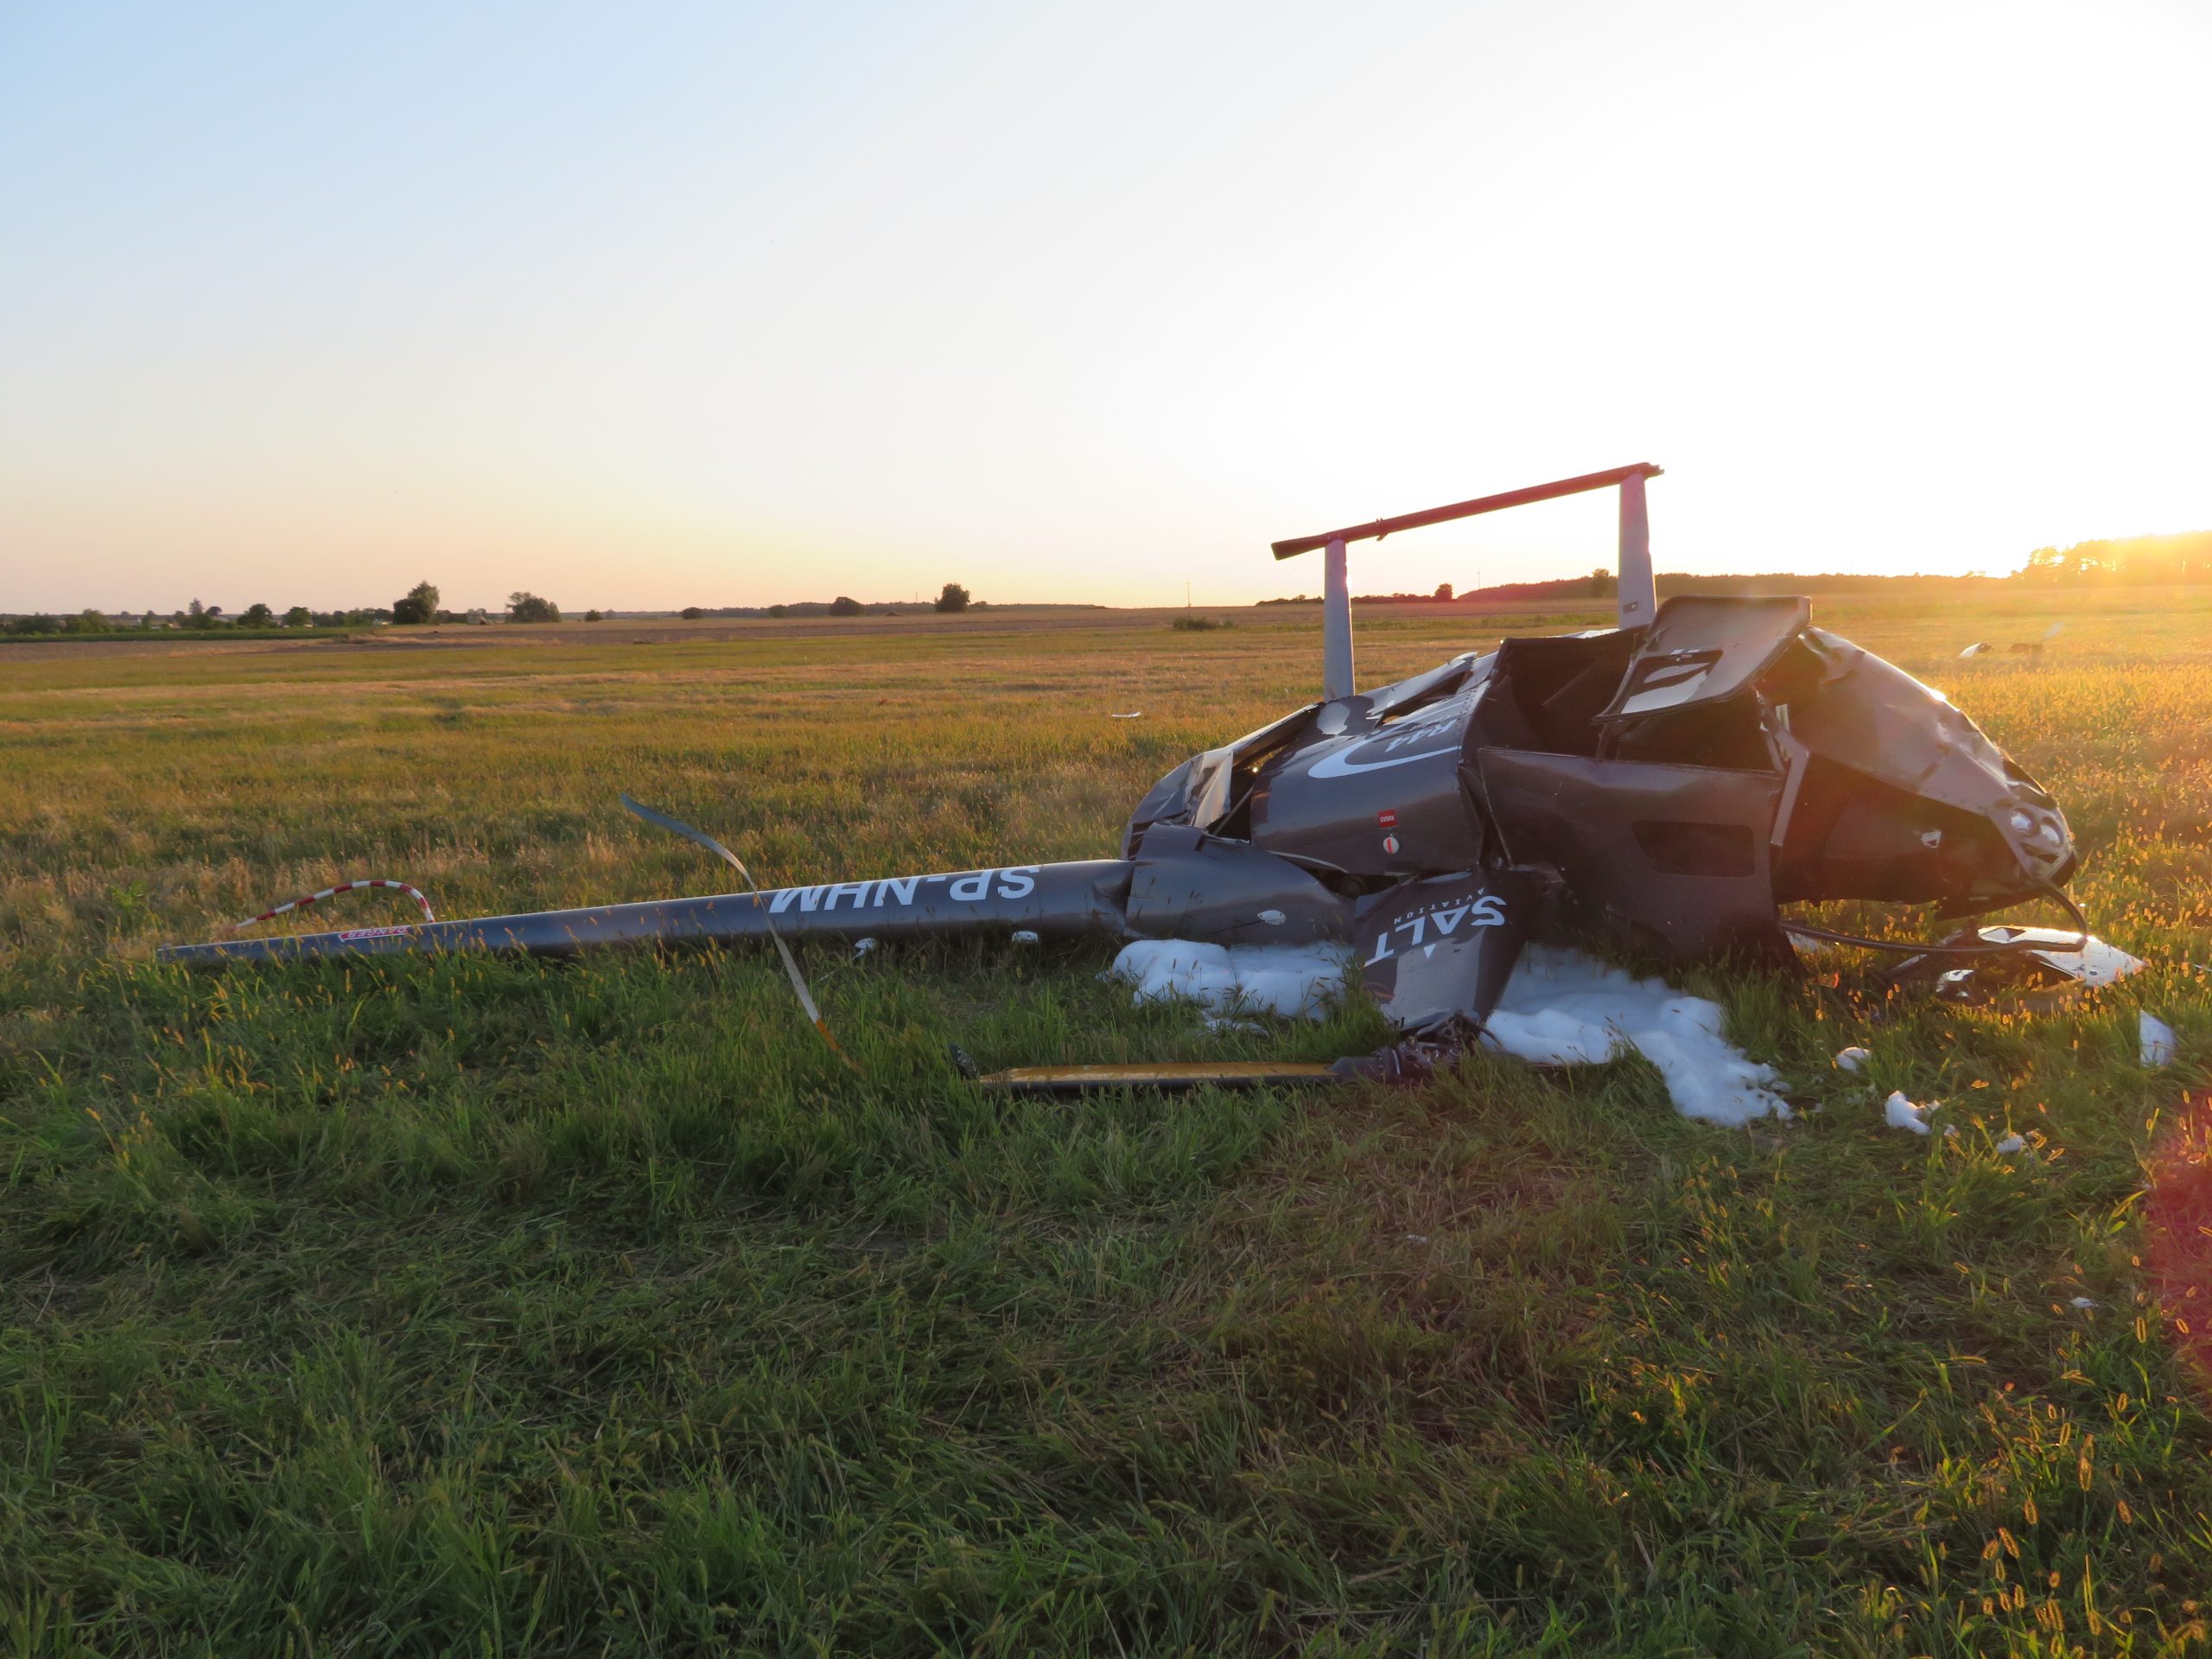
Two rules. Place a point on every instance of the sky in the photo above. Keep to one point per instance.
(639, 307)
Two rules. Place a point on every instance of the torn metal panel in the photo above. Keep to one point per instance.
(1547, 691)
(1704, 648)
(1206, 788)
(1874, 718)
(1380, 796)
(1417, 690)
(1442, 948)
(2036, 959)
(1186, 885)
(1677, 853)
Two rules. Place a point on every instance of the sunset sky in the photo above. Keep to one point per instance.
(715, 303)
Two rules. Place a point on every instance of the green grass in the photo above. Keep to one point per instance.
(494, 1306)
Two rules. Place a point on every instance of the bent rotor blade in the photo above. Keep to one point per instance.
(790, 963)
(690, 834)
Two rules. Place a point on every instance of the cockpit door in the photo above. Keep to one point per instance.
(1705, 648)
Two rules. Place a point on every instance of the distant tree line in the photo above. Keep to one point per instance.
(195, 618)
(952, 598)
(421, 605)
(2134, 560)
(1442, 596)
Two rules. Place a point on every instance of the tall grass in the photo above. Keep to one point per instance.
(485, 1306)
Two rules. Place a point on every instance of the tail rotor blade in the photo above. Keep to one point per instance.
(790, 963)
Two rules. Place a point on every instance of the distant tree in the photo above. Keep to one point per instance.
(692, 612)
(1444, 590)
(529, 608)
(87, 621)
(257, 616)
(780, 610)
(842, 605)
(592, 615)
(420, 606)
(1604, 583)
(215, 611)
(299, 617)
(954, 598)
(33, 625)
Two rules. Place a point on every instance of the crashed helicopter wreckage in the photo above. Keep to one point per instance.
(1678, 778)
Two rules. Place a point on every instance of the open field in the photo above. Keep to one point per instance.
(488, 1307)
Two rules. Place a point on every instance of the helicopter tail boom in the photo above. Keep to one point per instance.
(1086, 897)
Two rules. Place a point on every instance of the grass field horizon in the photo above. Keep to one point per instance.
(510, 1307)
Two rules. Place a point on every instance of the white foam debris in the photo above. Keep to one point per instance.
(2156, 1038)
(1284, 979)
(2012, 1143)
(1560, 1007)
(1979, 648)
(861, 947)
(1134, 714)
(1853, 1058)
(2084, 1302)
(1023, 936)
(1901, 1114)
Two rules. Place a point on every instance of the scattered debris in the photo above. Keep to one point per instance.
(1134, 714)
(1974, 966)
(1977, 649)
(1901, 1114)
(1282, 979)
(1853, 1058)
(1024, 935)
(2084, 1303)
(1561, 1007)
(2012, 1143)
(2156, 1038)
(861, 946)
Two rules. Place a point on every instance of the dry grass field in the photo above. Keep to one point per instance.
(486, 1306)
